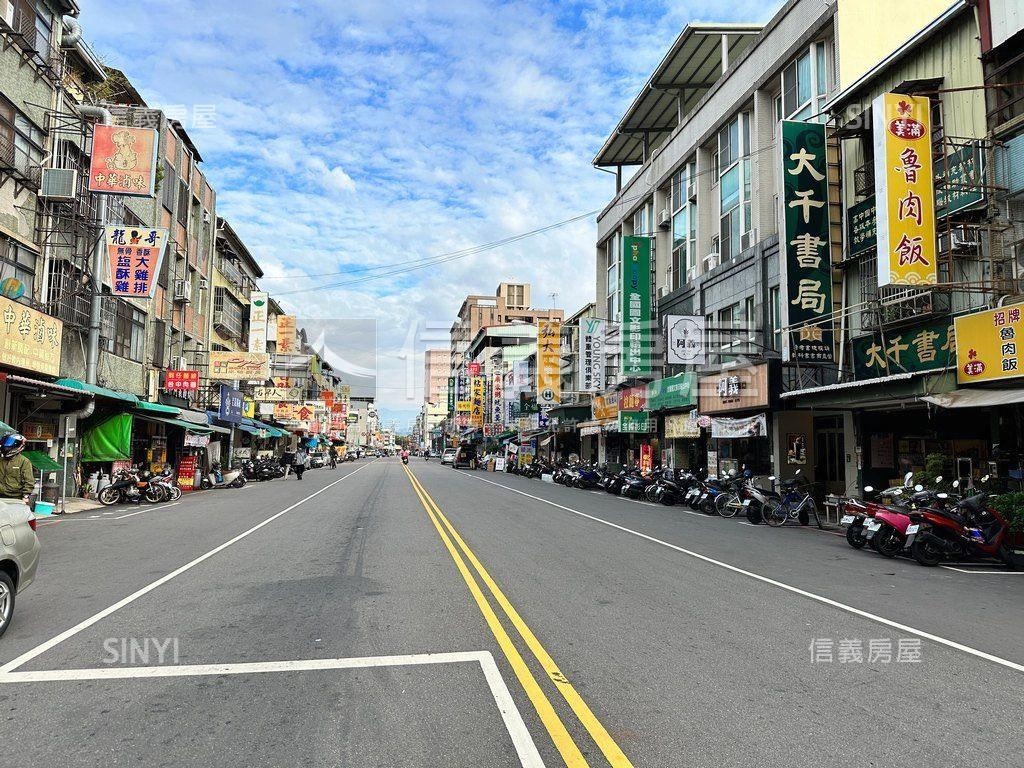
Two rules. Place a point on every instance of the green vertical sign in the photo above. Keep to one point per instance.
(451, 395)
(806, 251)
(635, 336)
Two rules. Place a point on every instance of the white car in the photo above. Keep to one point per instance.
(19, 555)
(448, 457)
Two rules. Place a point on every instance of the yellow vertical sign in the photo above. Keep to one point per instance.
(904, 189)
(477, 393)
(990, 344)
(549, 362)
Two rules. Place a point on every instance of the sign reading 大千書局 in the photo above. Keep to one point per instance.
(924, 347)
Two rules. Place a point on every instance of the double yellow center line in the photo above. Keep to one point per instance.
(568, 749)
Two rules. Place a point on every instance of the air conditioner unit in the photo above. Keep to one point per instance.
(664, 219)
(58, 184)
(663, 291)
(691, 273)
(711, 260)
(183, 291)
(964, 240)
(178, 364)
(691, 190)
(748, 240)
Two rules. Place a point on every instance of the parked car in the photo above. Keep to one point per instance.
(317, 460)
(465, 456)
(19, 555)
(448, 456)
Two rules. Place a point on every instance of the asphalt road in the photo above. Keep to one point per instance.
(369, 616)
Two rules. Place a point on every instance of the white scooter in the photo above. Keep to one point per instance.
(217, 479)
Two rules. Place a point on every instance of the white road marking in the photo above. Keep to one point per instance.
(523, 742)
(147, 509)
(987, 573)
(44, 647)
(781, 585)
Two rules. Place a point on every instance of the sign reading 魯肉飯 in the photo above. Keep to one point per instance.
(904, 189)
(635, 341)
(926, 347)
(990, 344)
(804, 232)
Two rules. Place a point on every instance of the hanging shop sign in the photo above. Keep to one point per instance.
(277, 394)
(549, 362)
(12, 288)
(677, 391)
(604, 406)
(989, 345)
(751, 426)
(246, 366)
(477, 395)
(639, 422)
(492, 430)
(462, 404)
(904, 189)
(123, 161)
(685, 344)
(734, 390)
(861, 232)
(646, 458)
(134, 256)
(633, 399)
(592, 354)
(286, 335)
(473, 369)
(681, 426)
(497, 399)
(232, 404)
(961, 180)
(807, 254)
(286, 412)
(451, 395)
(29, 339)
(181, 381)
(634, 339)
(924, 347)
(258, 301)
(196, 441)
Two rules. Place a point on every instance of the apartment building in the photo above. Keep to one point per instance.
(436, 370)
(234, 277)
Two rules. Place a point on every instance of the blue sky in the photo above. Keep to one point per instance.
(341, 135)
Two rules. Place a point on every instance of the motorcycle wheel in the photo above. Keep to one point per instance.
(668, 499)
(175, 493)
(153, 495)
(855, 536)
(926, 553)
(239, 482)
(651, 494)
(709, 506)
(889, 542)
(205, 484)
(108, 496)
(755, 514)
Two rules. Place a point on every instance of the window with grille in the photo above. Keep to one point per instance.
(123, 329)
(18, 262)
(183, 203)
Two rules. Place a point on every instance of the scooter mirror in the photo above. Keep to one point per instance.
(956, 483)
(938, 479)
(942, 495)
(907, 478)
(798, 471)
(985, 478)
(918, 487)
(868, 489)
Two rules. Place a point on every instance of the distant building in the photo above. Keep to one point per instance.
(436, 369)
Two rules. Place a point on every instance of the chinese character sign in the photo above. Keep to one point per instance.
(685, 342)
(258, 321)
(549, 362)
(989, 344)
(232, 404)
(497, 399)
(245, 366)
(123, 161)
(923, 347)
(478, 394)
(286, 335)
(181, 381)
(904, 189)
(462, 403)
(29, 339)
(804, 234)
(592, 354)
(451, 395)
(135, 255)
(636, 306)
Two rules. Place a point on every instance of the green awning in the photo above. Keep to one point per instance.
(168, 410)
(677, 391)
(100, 391)
(188, 426)
(110, 440)
(42, 461)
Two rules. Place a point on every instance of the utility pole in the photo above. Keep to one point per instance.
(92, 350)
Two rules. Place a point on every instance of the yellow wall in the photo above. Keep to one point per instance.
(869, 30)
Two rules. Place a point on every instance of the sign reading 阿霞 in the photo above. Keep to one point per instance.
(904, 189)
(804, 233)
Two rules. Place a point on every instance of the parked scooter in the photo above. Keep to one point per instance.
(216, 479)
(130, 486)
(165, 484)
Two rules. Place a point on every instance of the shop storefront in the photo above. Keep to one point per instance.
(737, 402)
(672, 400)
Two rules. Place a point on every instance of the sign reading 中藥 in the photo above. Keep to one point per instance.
(904, 189)
(135, 255)
(29, 339)
(989, 344)
(685, 342)
(123, 161)
(804, 231)
(634, 338)
(926, 347)
(592, 354)
(258, 301)
(549, 362)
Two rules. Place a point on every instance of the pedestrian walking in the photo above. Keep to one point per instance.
(17, 481)
(300, 461)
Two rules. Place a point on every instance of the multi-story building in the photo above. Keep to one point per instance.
(509, 304)
(234, 277)
(436, 370)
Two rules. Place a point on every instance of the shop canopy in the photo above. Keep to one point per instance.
(159, 408)
(976, 398)
(42, 461)
(110, 440)
(188, 426)
(679, 391)
(111, 394)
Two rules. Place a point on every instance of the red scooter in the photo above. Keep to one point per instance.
(968, 531)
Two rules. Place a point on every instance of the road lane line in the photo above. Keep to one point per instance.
(564, 743)
(148, 509)
(56, 640)
(601, 737)
(781, 585)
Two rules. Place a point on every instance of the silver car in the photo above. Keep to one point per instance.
(19, 555)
